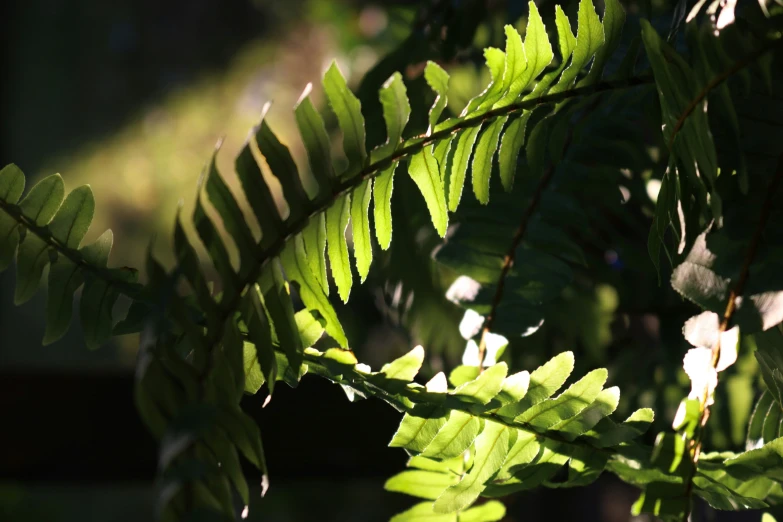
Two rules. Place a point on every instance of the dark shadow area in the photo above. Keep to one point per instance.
(74, 71)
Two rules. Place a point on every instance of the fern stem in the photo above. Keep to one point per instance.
(728, 314)
(373, 169)
(359, 382)
(519, 234)
(508, 260)
(717, 81)
(131, 290)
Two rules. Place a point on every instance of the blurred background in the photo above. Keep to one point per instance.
(132, 97)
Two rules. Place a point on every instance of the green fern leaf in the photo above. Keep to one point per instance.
(43, 200)
(566, 44)
(603, 406)
(496, 63)
(514, 70)
(589, 38)
(260, 333)
(484, 387)
(349, 115)
(572, 401)
(491, 451)
(438, 80)
(73, 218)
(258, 195)
(11, 189)
(425, 172)
(215, 248)
(226, 206)
(64, 279)
(245, 435)
(613, 22)
(406, 367)
(488, 512)
(360, 226)
(40, 205)
(422, 484)
(396, 111)
(482, 159)
(538, 52)
(316, 142)
(69, 227)
(455, 465)
(282, 166)
(635, 425)
(423, 513)
(454, 437)
(293, 259)
(188, 262)
(462, 153)
(337, 217)
(277, 301)
(510, 144)
(758, 421)
(314, 237)
(418, 428)
(514, 387)
(226, 454)
(522, 452)
(544, 382)
(382, 194)
(98, 297)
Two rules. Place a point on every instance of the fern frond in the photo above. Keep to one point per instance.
(517, 433)
(255, 299)
(352, 190)
(47, 228)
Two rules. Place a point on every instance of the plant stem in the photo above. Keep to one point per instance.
(728, 314)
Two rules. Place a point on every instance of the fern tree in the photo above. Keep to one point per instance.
(541, 148)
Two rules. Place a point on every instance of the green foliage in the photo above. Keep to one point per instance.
(46, 229)
(556, 136)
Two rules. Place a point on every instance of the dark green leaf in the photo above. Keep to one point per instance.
(513, 139)
(316, 142)
(482, 159)
(277, 301)
(282, 166)
(226, 206)
(296, 268)
(258, 195)
(261, 352)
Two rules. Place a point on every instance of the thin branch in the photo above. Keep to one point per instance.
(728, 314)
(519, 234)
(508, 261)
